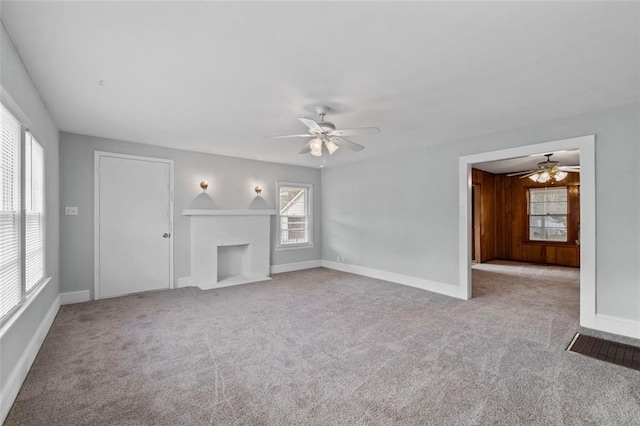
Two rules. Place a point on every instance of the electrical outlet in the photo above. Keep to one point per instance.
(71, 211)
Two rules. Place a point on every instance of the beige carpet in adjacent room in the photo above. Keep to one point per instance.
(326, 347)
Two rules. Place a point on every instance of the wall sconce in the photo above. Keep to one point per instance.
(258, 190)
(204, 185)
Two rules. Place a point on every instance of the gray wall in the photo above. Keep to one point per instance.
(21, 97)
(400, 213)
(231, 182)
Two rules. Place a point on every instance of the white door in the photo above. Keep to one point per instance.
(134, 218)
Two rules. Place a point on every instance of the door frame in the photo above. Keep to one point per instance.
(476, 218)
(586, 145)
(96, 213)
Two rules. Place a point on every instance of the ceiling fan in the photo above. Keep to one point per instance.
(325, 137)
(548, 170)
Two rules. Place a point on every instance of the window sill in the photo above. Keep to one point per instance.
(12, 317)
(551, 243)
(295, 247)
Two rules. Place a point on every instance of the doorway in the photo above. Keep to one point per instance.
(133, 218)
(586, 147)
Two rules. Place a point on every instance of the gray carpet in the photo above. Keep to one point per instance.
(325, 347)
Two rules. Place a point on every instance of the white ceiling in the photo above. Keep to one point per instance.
(520, 164)
(218, 76)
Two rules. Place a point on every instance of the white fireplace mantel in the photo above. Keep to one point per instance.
(228, 247)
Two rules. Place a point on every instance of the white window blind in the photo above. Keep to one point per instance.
(548, 209)
(34, 212)
(10, 262)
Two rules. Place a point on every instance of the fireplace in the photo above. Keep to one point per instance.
(228, 247)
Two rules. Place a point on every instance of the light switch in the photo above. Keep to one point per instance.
(71, 211)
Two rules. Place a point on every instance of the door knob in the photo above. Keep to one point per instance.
(166, 235)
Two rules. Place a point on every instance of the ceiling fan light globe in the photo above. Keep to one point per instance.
(331, 147)
(534, 177)
(560, 175)
(544, 177)
(316, 145)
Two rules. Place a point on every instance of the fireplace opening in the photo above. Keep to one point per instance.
(233, 262)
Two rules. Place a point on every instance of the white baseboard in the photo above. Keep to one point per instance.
(75, 297)
(184, 282)
(10, 389)
(288, 267)
(434, 286)
(615, 325)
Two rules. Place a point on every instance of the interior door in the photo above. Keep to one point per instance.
(134, 226)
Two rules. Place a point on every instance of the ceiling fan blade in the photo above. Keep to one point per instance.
(290, 136)
(567, 168)
(346, 143)
(522, 173)
(311, 124)
(571, 170)
(355, 131)
(529, 174)
(307, 148)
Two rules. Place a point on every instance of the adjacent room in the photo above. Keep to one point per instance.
(221, 212)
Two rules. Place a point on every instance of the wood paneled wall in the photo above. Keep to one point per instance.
(485, 189)
(504, 221)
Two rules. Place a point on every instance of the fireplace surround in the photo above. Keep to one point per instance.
(228, 247)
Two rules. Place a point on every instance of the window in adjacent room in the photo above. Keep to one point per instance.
(548, 210)
(294, 215)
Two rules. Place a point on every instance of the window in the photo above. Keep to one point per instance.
(34, 212)
(294, 208)
(21, 213)
(10, 212)
(548, 209)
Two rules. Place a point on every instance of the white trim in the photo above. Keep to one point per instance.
(10, 389)
(12, 317)
(586, 145)
(288, 267)
(295, 247)
(309, 188)
(212, 212)
(96, 213)
(421, 283)
(183, 282)
(621, 326)
(75, 297)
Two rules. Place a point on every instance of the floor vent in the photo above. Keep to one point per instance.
(606, 350)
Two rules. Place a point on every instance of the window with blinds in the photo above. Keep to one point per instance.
(34, 212)
(10, 212)
(548, 209)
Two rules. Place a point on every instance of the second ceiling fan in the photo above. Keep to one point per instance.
(326, 139)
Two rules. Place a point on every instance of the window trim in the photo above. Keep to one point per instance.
(309, 188)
